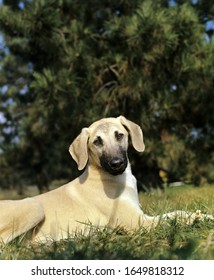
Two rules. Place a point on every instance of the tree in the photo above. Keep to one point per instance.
(69, 63)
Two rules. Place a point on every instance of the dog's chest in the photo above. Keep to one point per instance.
(127, 179)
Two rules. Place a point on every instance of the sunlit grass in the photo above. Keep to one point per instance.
(185, 197)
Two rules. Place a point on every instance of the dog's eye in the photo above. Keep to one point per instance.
(119, 136)
(98, 141)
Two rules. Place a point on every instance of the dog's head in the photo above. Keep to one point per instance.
(105, 144)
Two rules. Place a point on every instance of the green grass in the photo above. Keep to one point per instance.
(167, 241)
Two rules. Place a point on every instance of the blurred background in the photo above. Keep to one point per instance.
(65, 64)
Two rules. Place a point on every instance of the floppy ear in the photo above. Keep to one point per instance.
(79, 149)
(135, 132)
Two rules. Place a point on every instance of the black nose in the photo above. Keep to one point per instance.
(116, 163)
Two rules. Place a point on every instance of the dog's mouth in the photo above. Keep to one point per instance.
(114, 165)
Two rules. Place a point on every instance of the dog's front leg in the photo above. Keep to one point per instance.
(179, 215)
(186, 217)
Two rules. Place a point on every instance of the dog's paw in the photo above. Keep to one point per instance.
(199, 216)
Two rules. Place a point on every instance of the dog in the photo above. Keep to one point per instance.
(105, 195)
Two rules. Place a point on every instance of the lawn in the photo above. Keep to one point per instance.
(167, 241)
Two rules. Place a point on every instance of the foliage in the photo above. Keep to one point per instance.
(68, 63)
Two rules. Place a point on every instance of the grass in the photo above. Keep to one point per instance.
(167, 241)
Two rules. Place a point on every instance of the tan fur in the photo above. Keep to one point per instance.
(96, 198)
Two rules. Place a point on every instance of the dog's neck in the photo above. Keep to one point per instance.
(126, 178)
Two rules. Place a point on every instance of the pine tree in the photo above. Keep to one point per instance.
(68, 63)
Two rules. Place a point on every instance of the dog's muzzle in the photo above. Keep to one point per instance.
(114, 165)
